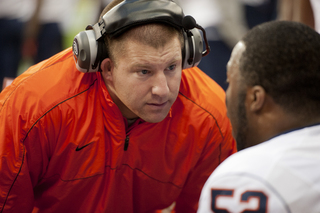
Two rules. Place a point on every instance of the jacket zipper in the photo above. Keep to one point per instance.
(126, 143)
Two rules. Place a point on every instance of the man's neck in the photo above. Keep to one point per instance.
(131, 121)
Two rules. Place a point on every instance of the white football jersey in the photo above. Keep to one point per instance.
(279, 175)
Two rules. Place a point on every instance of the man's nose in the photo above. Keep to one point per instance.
(160, 85)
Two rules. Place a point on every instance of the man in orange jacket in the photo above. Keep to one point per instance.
(137, 136)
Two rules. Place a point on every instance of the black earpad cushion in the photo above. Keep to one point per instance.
(101, 55)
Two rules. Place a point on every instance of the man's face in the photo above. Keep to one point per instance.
(235, 98)
(145, 80)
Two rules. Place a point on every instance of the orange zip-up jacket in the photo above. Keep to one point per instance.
(64, 145)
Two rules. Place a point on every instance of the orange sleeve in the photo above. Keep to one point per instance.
(19, 151)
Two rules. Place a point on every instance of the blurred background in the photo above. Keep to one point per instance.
(34, 30)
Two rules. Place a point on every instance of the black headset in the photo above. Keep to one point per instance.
(89, 48)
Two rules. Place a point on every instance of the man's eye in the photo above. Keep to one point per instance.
(172, 67)
(144, 72)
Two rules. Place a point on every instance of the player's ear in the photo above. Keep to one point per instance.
(257, 98)
(107, 67)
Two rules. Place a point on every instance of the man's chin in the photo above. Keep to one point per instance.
(155, 118)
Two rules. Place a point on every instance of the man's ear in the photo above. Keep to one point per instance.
(257, 98)
(107, 67)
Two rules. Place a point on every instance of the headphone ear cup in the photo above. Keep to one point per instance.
(198, 46)
(193, 47)
(85, 49)
(185, 51)
(102, 53)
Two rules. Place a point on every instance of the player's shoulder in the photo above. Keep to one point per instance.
(239, 178)
(258, 160)
(286, 152)
(277, 172)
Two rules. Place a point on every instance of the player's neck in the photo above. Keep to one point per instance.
(284, 123)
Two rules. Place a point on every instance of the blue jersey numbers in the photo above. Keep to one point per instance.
(245, 197)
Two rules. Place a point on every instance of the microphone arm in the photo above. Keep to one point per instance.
(188, 23)
(207, 50)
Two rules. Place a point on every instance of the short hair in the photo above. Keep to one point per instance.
(155, 34)
(284, 58)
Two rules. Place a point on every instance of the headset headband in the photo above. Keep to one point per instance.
(130, 13)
